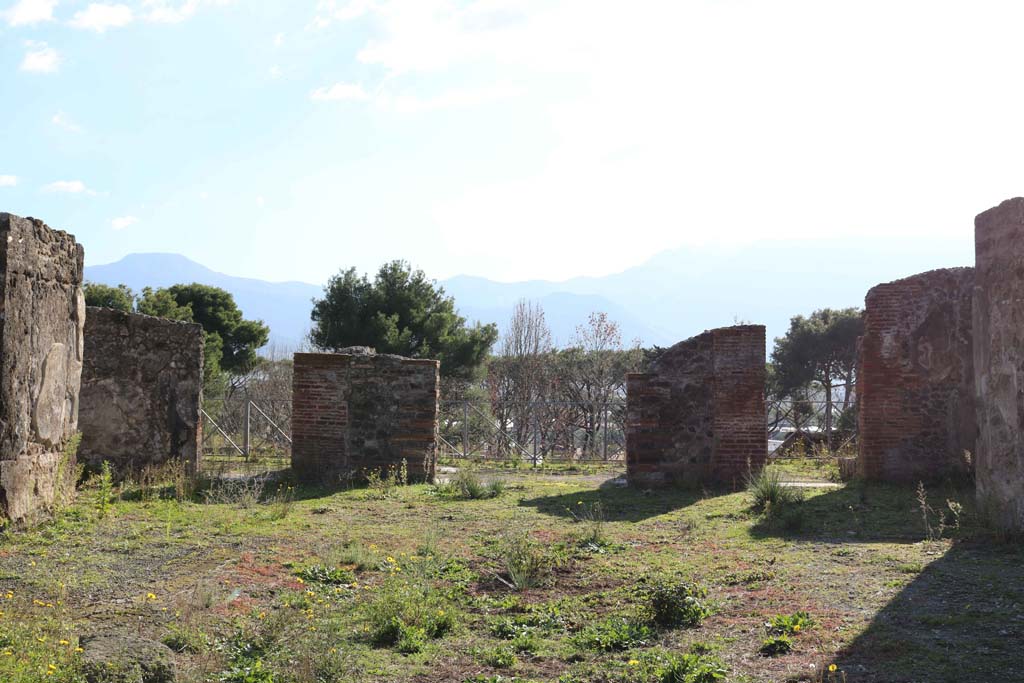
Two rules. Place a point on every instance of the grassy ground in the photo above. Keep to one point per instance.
(414, 584)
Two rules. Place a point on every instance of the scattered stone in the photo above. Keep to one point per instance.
(125, 658)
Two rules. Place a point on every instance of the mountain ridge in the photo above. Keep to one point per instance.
(672, 296)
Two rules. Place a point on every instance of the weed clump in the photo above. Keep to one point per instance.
(775, 646)
(769, 492)
(468, 485)
(614, 633)
(524, 560)
(406, 614)
(673, 603)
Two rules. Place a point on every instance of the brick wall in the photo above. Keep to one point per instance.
(999, 361)
(358, 411)
(41, 350)
(916, 378)
(142, 384)
(698, 414)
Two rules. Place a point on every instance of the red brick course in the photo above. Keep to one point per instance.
(916, 378)
(698, 415)
(358, 412)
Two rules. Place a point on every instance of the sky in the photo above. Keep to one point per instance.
(513, 139)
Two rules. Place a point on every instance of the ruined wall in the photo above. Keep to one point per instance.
(999, 361)
(41, 350)
(698, 414)
(357, 411)
(915, 379)
(141, 389)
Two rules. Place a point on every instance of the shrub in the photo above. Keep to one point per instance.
(613, 633)
(673, 603)
(774, 646)
(525, 562)
(769, 492)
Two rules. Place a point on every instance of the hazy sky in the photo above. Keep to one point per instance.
(507, 138)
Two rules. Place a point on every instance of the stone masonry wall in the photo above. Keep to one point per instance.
(698, 414)
(141, 390)
(999, 361)
(357, 411)
(41, 349)
(915, 379)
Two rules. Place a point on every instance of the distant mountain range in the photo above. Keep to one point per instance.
(675, 295)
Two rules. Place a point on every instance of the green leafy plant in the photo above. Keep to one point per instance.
(614, 633)
(774, 646)
(104, 490)
(672, 603)
(525, 562)
(331, 576)
(692, 668)
(468, 485)
(406, 614)
(498, 657)
(592, 518)
(789, 624)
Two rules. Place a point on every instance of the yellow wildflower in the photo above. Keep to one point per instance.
(634, 662)
(64, 642)
(796, 628)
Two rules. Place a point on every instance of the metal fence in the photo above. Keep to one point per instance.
(534, 431)
(241, 434)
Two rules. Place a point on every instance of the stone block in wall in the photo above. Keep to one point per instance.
(141, 393)
(41, 349)
(357, 411)
(915, 379)
(999, 362)
(698, 414)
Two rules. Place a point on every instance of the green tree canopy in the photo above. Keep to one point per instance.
(119, 298)
(401, 312)
(819, 351)
(231, 341)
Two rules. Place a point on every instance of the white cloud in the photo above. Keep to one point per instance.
(8, 180)
(260, 202)
(68, 186)
(62, 120)
(29, 12)
(99, 17)
(274, 71)
(122, 222)
(169, 12)
(339, 91)
(40, 58)
(329, 11)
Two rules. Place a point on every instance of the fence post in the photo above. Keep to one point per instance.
(245, 434)
(465, 429)
(536, 429)
(605, 435)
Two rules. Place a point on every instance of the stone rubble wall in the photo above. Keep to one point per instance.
(141, 391)
(999, 362)
(915, 379)
(41, 351)
(356, 411)
(698, 415)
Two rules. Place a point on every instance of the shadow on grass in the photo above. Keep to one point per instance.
(619, 503)
(961, 619)
(858, 513)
